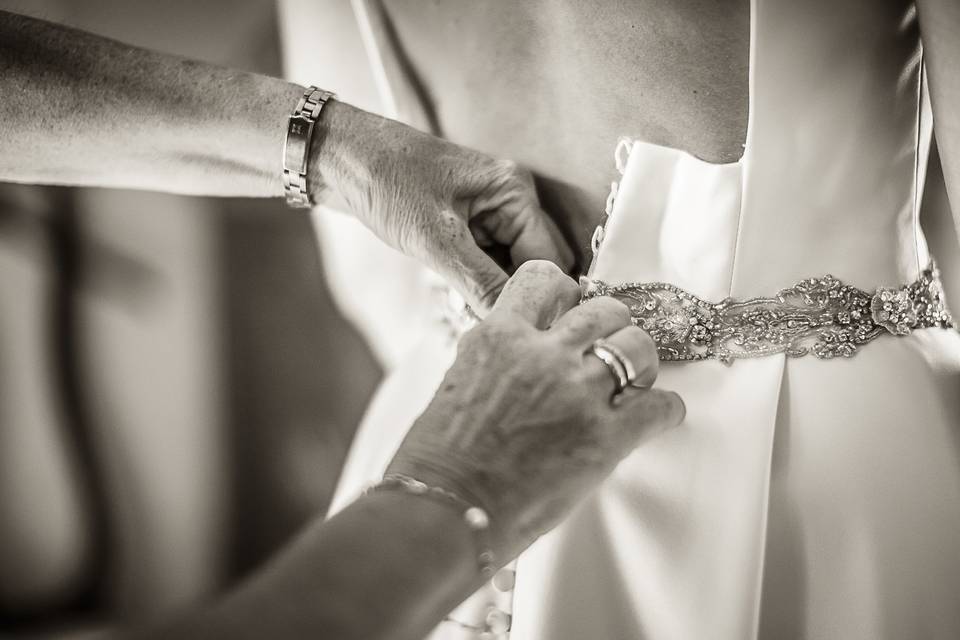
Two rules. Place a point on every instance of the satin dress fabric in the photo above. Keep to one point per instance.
(801, 498)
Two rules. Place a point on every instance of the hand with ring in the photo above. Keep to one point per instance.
(523, 424)
(620, 365)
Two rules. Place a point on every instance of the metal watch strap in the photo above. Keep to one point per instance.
(296, 148)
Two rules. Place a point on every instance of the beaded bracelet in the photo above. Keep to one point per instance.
(476, 518)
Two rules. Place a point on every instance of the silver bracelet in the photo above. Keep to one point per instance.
(296, 147)
(476, 518)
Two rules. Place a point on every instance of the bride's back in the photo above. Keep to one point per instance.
(828, 89)
(555, 84)
(824, 95)
(828, 466)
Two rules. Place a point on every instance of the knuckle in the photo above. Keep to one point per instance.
(566, 287)
(539, 269)
(509, 167)
(645, 347)
(449, 226)
(492, 327)
(491, 341)
(504, 329)
(544, 275)
(485, 334)
(640, 339)
(512, 176)
(612, 307)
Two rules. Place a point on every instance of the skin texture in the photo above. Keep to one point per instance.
(454, 209)
(78, 109)
(84, 110)
(527, 440)
(233, 143)
(553, 84)
(551, 432)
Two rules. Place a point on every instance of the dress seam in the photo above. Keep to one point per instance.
(765, 517)
(746, 160)
(915, 217)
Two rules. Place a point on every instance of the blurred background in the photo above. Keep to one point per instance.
(193, 340)
(178, 382)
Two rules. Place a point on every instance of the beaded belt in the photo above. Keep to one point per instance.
(822, 316)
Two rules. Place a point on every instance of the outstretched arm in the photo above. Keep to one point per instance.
(76, 108)
(940, 31)
(389, 566)
(79, 109)
(522, 428)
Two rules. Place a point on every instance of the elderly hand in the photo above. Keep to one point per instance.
(451, 208)
(523, 423)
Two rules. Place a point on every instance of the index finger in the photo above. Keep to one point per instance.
(539, 237)
(451, 250)
(596, 318)
(539, 292)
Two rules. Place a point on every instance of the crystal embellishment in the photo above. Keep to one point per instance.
(822, 316)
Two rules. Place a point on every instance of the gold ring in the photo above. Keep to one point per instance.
(614, 365)
(628, 368)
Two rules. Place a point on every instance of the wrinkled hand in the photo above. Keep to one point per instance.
(449, 207)
(523, 424)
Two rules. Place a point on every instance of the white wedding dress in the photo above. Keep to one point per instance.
(802, 497)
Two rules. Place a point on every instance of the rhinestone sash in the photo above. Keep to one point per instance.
(822, 316)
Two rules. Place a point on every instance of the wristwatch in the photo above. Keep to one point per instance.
(297, 145)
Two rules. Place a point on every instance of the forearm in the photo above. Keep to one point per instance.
(391, 565)
(79, 109)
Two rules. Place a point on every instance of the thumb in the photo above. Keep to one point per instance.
(540, 239)
(459, 259)
(507, 210)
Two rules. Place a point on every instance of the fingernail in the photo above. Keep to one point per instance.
(683, 408)
(587, 287)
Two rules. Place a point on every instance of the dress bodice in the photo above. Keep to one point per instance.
(836, 146)
(829, 181)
